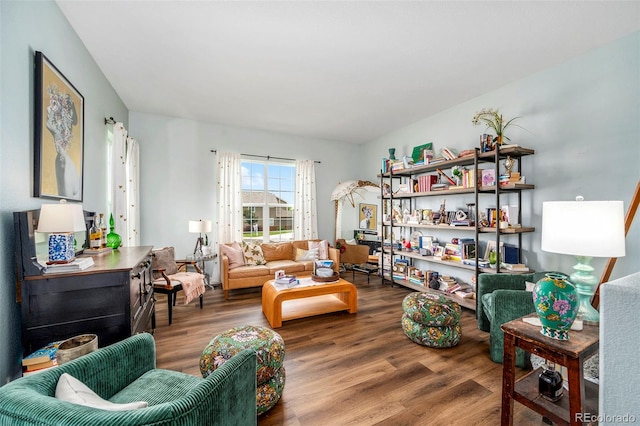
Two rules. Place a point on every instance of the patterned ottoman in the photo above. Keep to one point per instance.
(431, 320)
(269, 347)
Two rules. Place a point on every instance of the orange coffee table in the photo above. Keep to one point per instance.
(306, 301)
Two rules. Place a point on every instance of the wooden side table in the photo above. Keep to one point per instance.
(581, 403)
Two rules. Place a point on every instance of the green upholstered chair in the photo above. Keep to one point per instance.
(503, 298)
(125, 372)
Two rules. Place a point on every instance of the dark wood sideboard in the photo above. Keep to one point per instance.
(112, 299)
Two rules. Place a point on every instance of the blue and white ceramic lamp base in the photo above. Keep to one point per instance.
(61, 247)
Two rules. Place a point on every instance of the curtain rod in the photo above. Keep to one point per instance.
(109, 120)
(268, 157)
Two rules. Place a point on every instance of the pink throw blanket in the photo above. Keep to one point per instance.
(192, 284)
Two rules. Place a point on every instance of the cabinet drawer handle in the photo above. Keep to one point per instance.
(135, 276)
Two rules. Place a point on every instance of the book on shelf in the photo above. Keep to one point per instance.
(449, 153)
(488, 177)
(44, 354)
(78, 264)
(520, 267)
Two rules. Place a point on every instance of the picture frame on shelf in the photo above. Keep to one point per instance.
(58, 134)
(367, 216)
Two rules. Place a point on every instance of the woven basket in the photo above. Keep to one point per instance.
(334, 277)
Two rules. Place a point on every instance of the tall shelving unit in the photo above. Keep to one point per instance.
(482, 196)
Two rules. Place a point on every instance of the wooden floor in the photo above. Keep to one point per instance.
(352, 369)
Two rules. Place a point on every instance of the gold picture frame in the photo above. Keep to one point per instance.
(367, 216)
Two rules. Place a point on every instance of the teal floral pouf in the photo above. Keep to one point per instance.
(270, 352)
(431, 320)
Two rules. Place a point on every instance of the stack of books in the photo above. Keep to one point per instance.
(42, 359)
(286, 279)
(79, 264)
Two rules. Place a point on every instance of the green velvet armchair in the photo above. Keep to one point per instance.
(503, 298)
(125, 372)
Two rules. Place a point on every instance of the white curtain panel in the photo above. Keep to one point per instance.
(229, 201)
(124, 186)
(305, 217)
(133, 195)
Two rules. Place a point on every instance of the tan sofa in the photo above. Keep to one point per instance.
(278, 256)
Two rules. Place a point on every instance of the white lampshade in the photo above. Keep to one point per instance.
(62, 217)
(583, 228)
(199, 226)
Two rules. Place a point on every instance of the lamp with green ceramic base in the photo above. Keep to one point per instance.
(584, 229)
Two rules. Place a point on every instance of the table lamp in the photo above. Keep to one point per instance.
(585, 229)
(61, 221)
(199, 227)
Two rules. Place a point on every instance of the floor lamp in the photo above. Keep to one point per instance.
(199, 227)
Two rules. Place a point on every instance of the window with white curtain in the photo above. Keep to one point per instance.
(268, 200)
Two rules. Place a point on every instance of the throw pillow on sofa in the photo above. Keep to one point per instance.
(234, 252)
(302, 254)
(323, 248)
(277, 251)
(73, 390)
(252, 254)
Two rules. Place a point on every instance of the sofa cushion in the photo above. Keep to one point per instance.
(234, 252)
(158, 386)
(73, 390)
(277, 251)
(302, 255)
(323, 248)
(253, 253)
(249, 271)
(289, 266)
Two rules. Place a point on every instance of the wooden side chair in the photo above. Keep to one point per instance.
(169, 280)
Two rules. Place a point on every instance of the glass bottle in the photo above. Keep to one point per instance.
(113, 239)
(94, 235)
(103, 231)
(550, 383)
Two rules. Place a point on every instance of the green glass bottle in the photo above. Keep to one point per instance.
(113, 239)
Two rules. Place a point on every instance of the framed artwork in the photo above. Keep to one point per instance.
(367, 216)
(59, 134)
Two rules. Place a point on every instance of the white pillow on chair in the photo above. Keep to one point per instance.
(73, 390)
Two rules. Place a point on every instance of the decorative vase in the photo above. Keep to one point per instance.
(556, 303)
(392, 153)
(113, 239)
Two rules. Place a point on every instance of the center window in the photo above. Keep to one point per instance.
(267, 200)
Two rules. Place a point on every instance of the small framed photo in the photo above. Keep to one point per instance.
(367, 215)
(438, 251)
(58, 150)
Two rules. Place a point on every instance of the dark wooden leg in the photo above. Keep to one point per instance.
(576, 390)
(508, 379)
(169, 304)
(201, 298)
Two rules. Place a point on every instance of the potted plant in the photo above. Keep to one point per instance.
(494, 120)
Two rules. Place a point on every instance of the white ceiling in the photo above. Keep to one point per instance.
(349, 71)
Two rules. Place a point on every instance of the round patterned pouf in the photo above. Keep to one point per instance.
(431, 320)
(270, 351)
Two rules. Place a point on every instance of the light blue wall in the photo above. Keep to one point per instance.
(177, 172)
(27, 26)
(582, 117)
